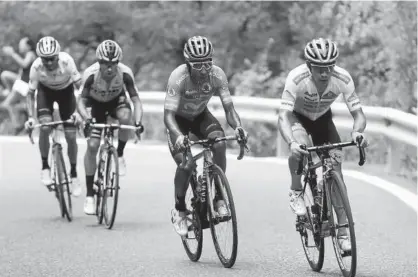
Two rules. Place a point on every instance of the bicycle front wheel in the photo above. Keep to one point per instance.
(342, 221)
(64, 184)
(61, 183)
(111, 187)
(219, 190)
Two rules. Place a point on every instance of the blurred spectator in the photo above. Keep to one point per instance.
(16, 84)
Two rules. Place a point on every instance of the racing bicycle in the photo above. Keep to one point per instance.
(106, 184)
(328, 210)
(206, 189)
(61, 181)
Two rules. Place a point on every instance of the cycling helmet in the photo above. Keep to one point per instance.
(321, 52)
(109, 51)
(47, 47)
(198, 48)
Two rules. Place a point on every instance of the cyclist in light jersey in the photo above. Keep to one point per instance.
(54, 74)
(104, 88)
(189, 89)
(309, 91)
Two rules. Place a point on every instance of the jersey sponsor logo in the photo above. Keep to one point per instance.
(300, 77)
(341, 77)
(217, 75)
(313, 94)
(184, 76)
(193, 106)
(171, 92)
(352, 97)
(206, 87)
(329, 95)
(191, 94)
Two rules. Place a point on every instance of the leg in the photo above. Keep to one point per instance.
(181, 182)
(123, 114)
(44, 111)
(67, 105)
(98, 111)
(207, 126)
(300, 134)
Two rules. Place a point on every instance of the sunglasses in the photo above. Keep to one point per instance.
(200, 65)
(49, 59)
(327, 68)
(108, 63)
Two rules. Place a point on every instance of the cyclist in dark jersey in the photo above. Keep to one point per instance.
(189, 89)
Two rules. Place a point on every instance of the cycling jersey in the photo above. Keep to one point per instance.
(188, 99)
(64, 75)
(104, 91)
(300, 93)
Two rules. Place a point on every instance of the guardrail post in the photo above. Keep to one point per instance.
(393, 163)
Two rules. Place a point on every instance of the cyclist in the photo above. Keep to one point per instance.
(309, 91)
(54, 74)
(103, 89)
(189, 89)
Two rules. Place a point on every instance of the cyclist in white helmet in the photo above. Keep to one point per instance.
(190, 87)
(103, 89)
(54, 75)
(309, 91)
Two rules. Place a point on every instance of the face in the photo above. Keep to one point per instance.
(51, 63)
(23, 46)
(321, 74)
(108, 69)
(201, 69)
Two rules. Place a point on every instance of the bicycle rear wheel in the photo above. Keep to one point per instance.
(193, 241)
(64, 183)
(111, 187)
(217, 181)
(347, 260)
(310, 232)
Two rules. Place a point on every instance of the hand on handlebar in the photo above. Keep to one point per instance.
(139, 130)
(180, 143)
(360, 138)
(241, 134)
(87, 126)
(295, 148)
(29, 123)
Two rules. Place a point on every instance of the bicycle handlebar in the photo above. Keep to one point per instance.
(362, 153)
(52, 124)
(211, 141)
(115, 126)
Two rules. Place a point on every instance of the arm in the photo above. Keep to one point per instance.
(287, 105)
(133, 94)
(171, 105)
(75, 74)
(231, 114)
(83, 99)
(359, 120)
(285, 127)
(353, 104)
(23, 62)
(33, 85)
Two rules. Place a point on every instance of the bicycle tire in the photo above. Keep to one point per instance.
(346, 206)
(319, 242)
(195, 208)
(109, 222)
(227, 263)
(64, 183)
(57, 187)
(99, 184)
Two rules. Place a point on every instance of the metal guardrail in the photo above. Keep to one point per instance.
(399, 127)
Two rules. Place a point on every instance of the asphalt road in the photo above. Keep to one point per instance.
(36, 241)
